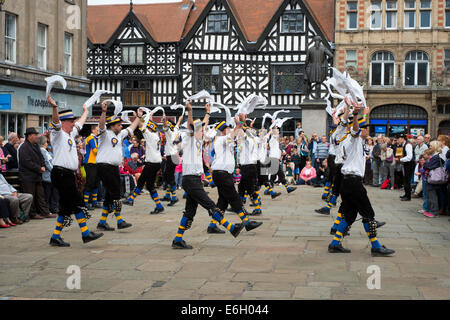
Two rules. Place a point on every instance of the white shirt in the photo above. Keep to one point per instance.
(355, 162)
(274, 147)
(64, 147)
(331, 149)
(171, 136)
(248, 154)
(192, 155)
(262, 149)
(109, 148)
(224, 154)
(152, 146)
(409, 153)
(337, 144)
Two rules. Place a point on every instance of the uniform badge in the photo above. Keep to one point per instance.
(114, 142)
(70, 143)
(198, 144)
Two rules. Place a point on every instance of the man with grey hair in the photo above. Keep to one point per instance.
(12, 163)
(420, 147)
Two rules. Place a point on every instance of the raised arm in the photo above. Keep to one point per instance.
(356, 108)
(55, 115)
(137, 120)
(82, 119)
(180, 118)
(102, 121)
(190, 115)
(206, 118)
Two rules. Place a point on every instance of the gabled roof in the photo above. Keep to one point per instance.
(323, 12)
(165, 22)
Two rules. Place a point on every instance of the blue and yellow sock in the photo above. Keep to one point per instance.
(373, 240)
(337, 221)
(244, 218)
(86, 196)
(326, 190)
(157, 201)
(59, 226)
(333, 200)
(105, 211)
(167, 195)
(212, 224)
(118, 216)
(94, 197)
(270, 190)
(181, 229)
(258, 197)
(135, 193)
(224, 222)
(173, 190)
(81, 219)
(257, 205)
(339, 233)
(286, 186)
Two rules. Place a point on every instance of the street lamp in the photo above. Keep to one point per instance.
(1, 3)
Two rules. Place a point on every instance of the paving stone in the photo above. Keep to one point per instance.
(268, 295)
(312, 293)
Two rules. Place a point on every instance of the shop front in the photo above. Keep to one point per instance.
(22, 107)
(395, 119)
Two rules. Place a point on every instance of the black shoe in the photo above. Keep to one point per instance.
(165, 199)
(381, 251)
(229, 209)
(333, 231)
(180, 245)
(156, 211)
(92, 236)
(214, 229)
(237, 229)
(128, 202)
(403, 196)
(252, 225)
(291, 189)
(276, 194)
(123, 225)
(90, 207)
(380, 224)
(58, 243)
(172, 202)
(338, 249)
(105, 227)
(255, 212)
(323, 211)
(405, 199)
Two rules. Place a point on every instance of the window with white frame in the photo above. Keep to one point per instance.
(447, 13)
(217, 22)
(391, 14)
(352, 15)
(416, 68)
(42, 46)
(10, 37)
(382, 69)
(447, 58)
(293, 22)
(350, 58)
(132, 55)
(68, 53)
(410, 14)
(425, 14)
(375, 14)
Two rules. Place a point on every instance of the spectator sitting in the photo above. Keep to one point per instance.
(123, 171)
(11, 149)
(322, 174)
(5, 213)
(31, 167)
(134, 166)
(51, 193)
(138, 149)
(307, 175)
(16, 200)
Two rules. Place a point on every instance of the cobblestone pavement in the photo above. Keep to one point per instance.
(286, 258)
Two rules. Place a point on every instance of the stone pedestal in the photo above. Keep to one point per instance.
(314, 117)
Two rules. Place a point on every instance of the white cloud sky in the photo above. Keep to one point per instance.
(97, 2)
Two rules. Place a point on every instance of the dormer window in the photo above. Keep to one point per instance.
(293, 22)
(133, 55)
(217, 22)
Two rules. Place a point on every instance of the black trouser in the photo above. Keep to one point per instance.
(227, 192)
(337, 181)
(332, 167)
(91, 177)
(148, 176)
(196, 195)
(355, 200)
(263, 179)
(169, 172)
(51, 196)
(280, 175)
(409, 171)
(5, 210)
(70, 199)
(110, 176)
(248, 180)
(39, 205)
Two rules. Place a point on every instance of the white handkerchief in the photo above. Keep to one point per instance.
(276, 113)
(118, 106)
(250, 103)
(265, 116)
(124, 116)
(177, 106)
(93, 99)
(51, 83)
(279, 122)
(202, 95)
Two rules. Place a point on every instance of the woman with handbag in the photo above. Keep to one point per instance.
(388, 167)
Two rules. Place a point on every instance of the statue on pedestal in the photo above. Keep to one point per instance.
(316, 66)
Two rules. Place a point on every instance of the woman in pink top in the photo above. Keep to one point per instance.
(307, 175)
(179, 173)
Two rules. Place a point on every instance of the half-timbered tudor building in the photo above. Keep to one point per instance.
(160, 54)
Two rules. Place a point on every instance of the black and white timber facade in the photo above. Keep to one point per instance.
(214, 55)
